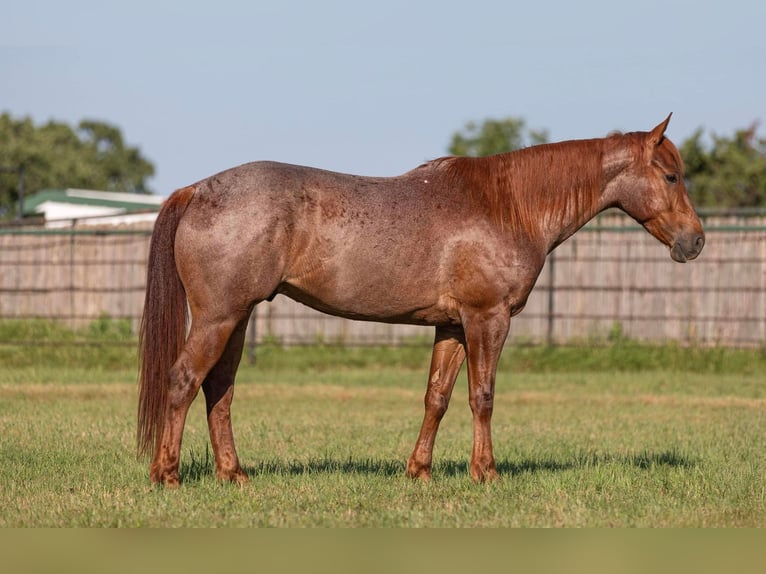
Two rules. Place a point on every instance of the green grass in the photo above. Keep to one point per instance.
(608, 434)
(622, 435)
(104, 344)
(107, 344)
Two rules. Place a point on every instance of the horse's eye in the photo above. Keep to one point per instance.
(671, 178)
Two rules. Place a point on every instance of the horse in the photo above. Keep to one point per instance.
(456, 243)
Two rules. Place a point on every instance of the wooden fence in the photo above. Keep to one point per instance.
(610, 279)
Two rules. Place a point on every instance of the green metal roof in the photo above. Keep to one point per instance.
(129, 202)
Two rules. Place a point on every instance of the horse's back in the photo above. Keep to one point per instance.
(260, 179)
(293, 194)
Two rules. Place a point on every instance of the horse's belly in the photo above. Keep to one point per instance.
(386, 305)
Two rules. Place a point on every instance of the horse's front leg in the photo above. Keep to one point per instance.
(485, 335)
(447, 358)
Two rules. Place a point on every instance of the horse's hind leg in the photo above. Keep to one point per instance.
(219, 391)
(447, 358)
(202, 350)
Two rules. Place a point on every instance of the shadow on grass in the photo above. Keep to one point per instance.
(646, 460)
(201, 466)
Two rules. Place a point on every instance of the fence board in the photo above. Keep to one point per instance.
(603, 280)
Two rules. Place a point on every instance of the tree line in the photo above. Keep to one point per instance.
(92, 155)
(722, 171)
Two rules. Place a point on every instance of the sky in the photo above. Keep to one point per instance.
(375, 88)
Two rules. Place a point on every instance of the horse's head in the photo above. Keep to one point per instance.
(651, 190)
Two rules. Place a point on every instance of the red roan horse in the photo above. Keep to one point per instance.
(456, 243)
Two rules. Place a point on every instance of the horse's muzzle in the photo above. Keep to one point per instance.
(687, 247)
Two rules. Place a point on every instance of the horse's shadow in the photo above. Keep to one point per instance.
(201, 466)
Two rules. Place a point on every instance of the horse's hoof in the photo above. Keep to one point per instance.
(168, 479)
(418, 472)
(485, 475)
(237, 476)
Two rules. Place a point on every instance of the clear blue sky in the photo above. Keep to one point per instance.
(375, 87)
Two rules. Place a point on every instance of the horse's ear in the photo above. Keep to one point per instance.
(656, 135)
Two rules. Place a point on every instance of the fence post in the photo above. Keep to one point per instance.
(551, 298)
(73, 319)
(252, 334)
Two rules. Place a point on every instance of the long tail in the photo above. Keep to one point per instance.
(163, 325)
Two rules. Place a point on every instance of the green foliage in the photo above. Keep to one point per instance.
(624, 355)
(495, 136)
(731, 172)
(109, 343)
(620, 355)
(105, 344)
(110, 330)
(54, 155)
(33, 331)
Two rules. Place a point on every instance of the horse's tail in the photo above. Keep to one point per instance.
(163, 325)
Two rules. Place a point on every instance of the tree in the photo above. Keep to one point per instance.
(729, 173)
(54, 155)
(495, 136)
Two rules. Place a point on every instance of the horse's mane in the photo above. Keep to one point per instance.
(535, 186)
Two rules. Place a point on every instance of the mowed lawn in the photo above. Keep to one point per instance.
(325, 444)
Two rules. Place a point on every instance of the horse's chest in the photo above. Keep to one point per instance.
(484, 274)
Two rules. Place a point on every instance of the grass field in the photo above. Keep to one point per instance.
(616, 436)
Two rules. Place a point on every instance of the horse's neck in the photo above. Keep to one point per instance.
(618, 153)
(561, 227)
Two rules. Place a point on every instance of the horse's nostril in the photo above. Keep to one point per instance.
(699, 243)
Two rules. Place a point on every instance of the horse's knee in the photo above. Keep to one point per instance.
(482, 401)
(436, 403)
